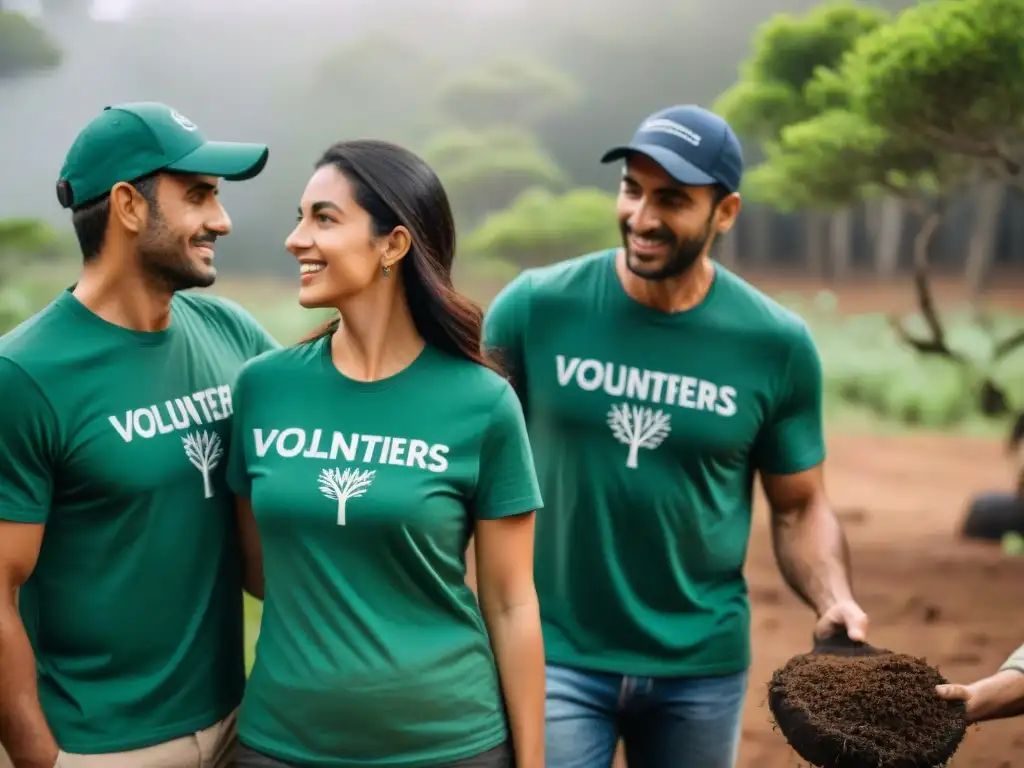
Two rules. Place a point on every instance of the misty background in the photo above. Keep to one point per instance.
(578, 76)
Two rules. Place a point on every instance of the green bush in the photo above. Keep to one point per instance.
(486, 170)
(24, 47)
(540, 227)
(868, 368)
(32, 238)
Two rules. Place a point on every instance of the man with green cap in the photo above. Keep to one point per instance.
(120, 595)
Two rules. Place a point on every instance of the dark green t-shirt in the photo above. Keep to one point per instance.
(115, 440)
(372, 650)
(647, 429)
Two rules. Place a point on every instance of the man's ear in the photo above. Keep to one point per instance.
(128, 208)
(727, 211)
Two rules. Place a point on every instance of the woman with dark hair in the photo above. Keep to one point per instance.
(365, 459)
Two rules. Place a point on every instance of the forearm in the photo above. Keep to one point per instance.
(519, 651)
(23, 729)
(812, 554)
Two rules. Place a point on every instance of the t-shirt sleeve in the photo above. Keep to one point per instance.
(505, 330)
(507, 481)
(30, 439)
(793, 439)
(237, 469)
(255, 338)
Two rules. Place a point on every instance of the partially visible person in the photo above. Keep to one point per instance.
(120, 579)
(657, 384)
(995, 697)
(365, 459)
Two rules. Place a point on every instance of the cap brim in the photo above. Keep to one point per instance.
(227, 160)
(679, 169)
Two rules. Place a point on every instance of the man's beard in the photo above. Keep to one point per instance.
(683, 252)
(164, 260)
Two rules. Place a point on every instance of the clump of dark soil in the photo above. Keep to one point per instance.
(873, 711)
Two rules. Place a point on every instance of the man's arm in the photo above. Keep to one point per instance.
(23, 729)
(809, 543)
(504, 331)
(29, 436)
(254, 337)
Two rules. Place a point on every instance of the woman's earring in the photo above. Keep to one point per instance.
(387, 271)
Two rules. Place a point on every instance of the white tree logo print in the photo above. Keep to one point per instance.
(342, 486)
(204, 451)
(638, 427)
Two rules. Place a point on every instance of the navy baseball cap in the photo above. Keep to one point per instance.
(694, 146)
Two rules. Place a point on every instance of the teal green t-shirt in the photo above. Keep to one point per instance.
(647, 429)
(115, 440)
(372, 650)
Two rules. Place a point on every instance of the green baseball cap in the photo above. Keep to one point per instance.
(128, 141)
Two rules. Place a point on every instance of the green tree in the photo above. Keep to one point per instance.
(541, 228)
(510, 89)
(363, 89)
(485, 170)
(788, 51)
(951, 71)
(24, 46)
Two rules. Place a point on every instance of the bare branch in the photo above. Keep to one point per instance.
(936, 344)
(1008, 345)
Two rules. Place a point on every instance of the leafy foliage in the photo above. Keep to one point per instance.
(390, 100)
(540, 227)
(788, 52)
(839, 157)
(24, 47)
(952, 72)
(485, 170)
(22, 239)
(508, 90)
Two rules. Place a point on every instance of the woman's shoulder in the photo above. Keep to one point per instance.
(284, 359)
(465, 378)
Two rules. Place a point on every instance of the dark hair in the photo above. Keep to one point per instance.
(718, 193)
(397, 188)
(90, 220)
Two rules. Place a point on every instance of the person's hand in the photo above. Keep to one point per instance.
(953, 692)
(844, 614)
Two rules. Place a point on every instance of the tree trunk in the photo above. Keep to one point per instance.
(840, 243)
(922, 276)
(988, 202)
(814, 243)
(889, 237)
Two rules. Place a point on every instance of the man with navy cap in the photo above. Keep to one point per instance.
(656, 383)
(117, 532)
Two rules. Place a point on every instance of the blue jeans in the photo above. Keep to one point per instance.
(664, 722)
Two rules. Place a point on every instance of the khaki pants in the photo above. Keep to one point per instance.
(210, 748)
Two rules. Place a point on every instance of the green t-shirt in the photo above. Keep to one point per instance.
(372, 650)
(647, 429)
(114, 439)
